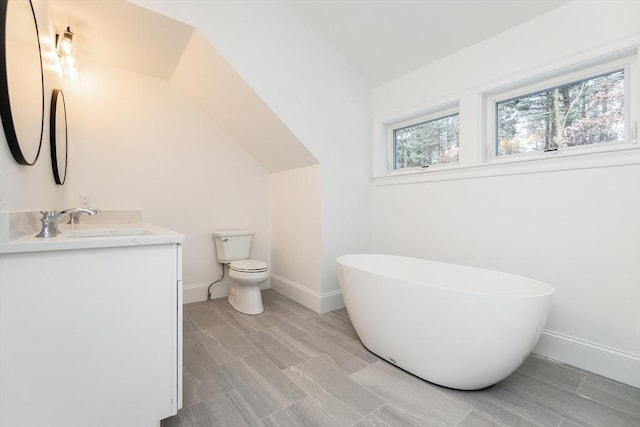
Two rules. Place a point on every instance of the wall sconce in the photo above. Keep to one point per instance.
(67, 55)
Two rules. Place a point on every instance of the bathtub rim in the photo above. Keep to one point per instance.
(549, 290)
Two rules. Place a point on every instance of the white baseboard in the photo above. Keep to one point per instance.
(320, 303)
(596, 358)
(198, 292)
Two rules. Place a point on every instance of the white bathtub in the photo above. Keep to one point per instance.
(460, 327)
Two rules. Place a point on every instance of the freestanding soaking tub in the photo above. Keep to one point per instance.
(460, 327)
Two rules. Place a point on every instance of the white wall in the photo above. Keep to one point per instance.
(136, 143)
(32, 188)
(578, 230)
(322, 100)
(296, 233)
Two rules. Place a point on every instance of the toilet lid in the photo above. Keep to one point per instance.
(249, 266)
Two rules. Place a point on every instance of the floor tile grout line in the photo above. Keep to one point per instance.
(569, 416)
(445, 395)
(547, 381)
(531, 400)
(362, 417)
(247, 403)
(484, 414)
(473, 409)
(580, 386)
(577, 395)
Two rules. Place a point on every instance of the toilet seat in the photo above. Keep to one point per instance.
(249, 266)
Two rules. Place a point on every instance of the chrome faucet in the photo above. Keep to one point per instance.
(50, 219)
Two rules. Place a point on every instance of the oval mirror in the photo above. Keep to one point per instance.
(58, 136)
(21, 80)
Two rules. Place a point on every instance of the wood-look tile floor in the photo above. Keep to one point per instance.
(293, 367)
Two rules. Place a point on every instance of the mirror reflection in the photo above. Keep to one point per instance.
(22, 82)
(58, 137)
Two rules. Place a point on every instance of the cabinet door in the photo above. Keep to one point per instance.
(178, 330)
(87, 337)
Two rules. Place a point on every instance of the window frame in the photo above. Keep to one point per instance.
(626, 61)
(433, 115)
(474, 106)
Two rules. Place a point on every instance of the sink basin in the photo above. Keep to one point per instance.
(107, 229)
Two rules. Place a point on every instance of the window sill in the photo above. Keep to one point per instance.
(550, 162)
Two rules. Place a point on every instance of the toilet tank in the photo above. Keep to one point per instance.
(232, 245)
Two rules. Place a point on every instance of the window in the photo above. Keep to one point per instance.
(576, 113)
(426, 143)
(584, 112)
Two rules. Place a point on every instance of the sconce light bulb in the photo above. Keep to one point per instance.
(69, 61)
(67, 57)
(65, 43)
(66, 47)
(73, 74)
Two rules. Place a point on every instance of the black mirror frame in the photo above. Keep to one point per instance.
(55, 110)
(5, 101)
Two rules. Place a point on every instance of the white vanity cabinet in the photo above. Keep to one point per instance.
(91, 335)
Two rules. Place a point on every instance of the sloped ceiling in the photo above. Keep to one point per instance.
(381, 39)
(207, 79)
(385, 39)
(121, 34)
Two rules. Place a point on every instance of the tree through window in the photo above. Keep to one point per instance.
(588, 111)
(427, 143)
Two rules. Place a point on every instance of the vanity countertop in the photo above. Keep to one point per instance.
(105, 237)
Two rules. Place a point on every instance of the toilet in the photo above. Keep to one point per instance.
(233, 247)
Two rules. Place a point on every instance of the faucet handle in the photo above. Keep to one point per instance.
(47, 214)
(49, 221)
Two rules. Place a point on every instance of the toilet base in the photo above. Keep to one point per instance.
(246, 299)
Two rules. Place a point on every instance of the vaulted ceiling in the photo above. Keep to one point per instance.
(381, 39)
(385, 39)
